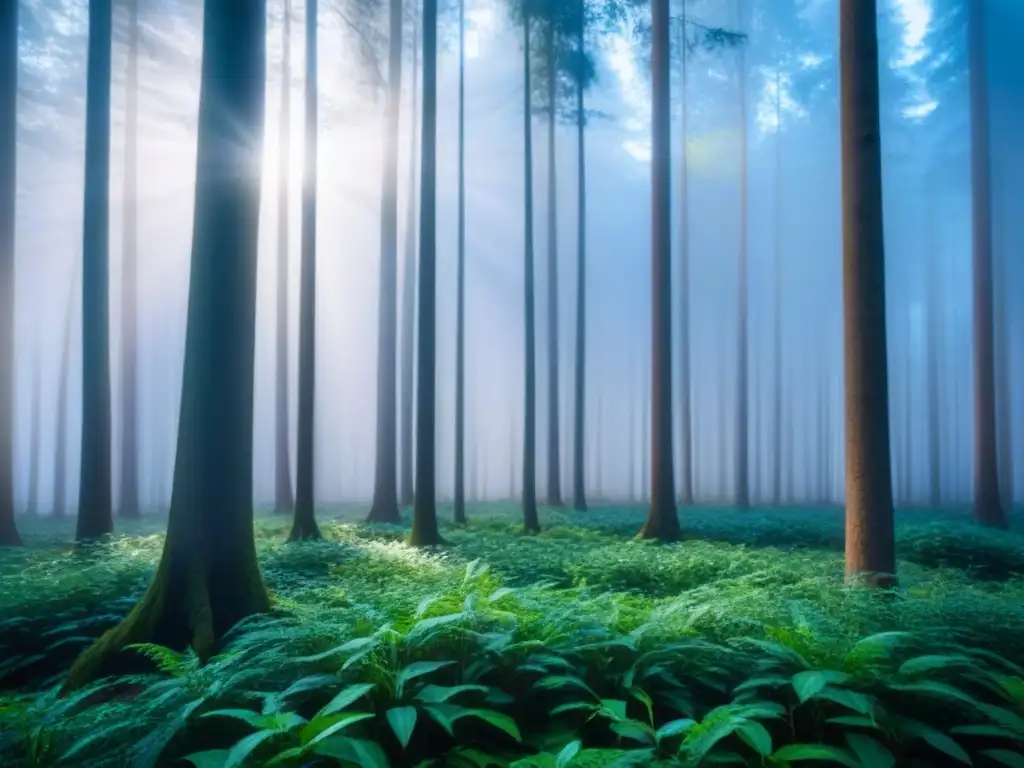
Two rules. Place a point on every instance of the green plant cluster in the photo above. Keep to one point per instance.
(741, 647)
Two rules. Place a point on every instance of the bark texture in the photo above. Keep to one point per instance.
(8, 196)
(459, 511)
(554, 444)
(531, 521)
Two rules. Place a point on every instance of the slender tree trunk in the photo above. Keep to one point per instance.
(283, 499)
(32, 507)
(743, 305)
(870, 533)
(988, 507)
(935, 434)
(459, 511)
(129, 497)
(208, 578)
(1004, 389)
(385, 492)
(633, 448)
(598, 454)
(645, 444)
(777, 426)
(60, 459)
(579, 490)
(405, 496)
(554, 446)
(662, 520)
(530, 520)
(304, 524)
(424, 519)
(685, 388)
(8, 196)
(95, 517)
(908, 436)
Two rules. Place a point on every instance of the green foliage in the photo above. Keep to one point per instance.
(741, 648)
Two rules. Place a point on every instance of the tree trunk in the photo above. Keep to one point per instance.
(32, 507)
(459, 511)
(776, 428)
(685, 390)
(554, 446)
(424, 517)
(283, 499)
(988, 507)
(662, 521)
(1004, 388)
(935, 432)
(631, 431)
(743, 304)
(409, 291)
(304, 525)
(8, 196)
(870, 534)
(95, 517)
(208, 578)
(530, 520)
(60, 459)
(128, 506)
(385, 493)
(579, 490)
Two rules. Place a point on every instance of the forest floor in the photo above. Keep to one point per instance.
(574, 648)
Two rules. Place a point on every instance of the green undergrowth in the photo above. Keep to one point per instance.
(573, 648)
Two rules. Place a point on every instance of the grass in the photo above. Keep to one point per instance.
(576, 647)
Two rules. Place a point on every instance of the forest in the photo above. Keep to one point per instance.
(511, 383)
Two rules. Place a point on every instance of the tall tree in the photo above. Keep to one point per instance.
(743, 298)
(385, 492)
(283, 499)
(988, 506)
(424, 519)
(35, 439)
(459, 512)
(60, 459)
(95, 516)
(777, 425)
(304, 525)
(870, 532)
(1004, 364)
(932, 363)
(662, 521)
(554, 446)
(685, 392)
(208, 578)
(579, 497)
(8, 196)
(405, 493)
(531, 522)
(128, 506)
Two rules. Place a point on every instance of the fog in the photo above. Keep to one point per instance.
(794, 223)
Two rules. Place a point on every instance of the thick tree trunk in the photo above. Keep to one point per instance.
(554, 445)
(304, 525)
(870, 534)
(128, 503)
(988, 507)
(208, 578)
(776, 426)
(531, 522)
(283, 499)
(459, 511)
(743, 305)
(35, 438)
(385, 492)
(424, 517)
(60, 459)
(579, 490)
(95, 517)
(685, 390)
(8, 196)
(405, 494)
(1004, 388)
(662, 520)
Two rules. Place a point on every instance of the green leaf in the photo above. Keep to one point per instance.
(356, 644)
(944, 744)
(403, 722)
(614, 707)
(211, 758)
(858, 702)
(365, 754)
(574, 706)
(498, 720)
(444, 715)
(869, 751)
(348, 696)
(239, 753)
(309, 683)
(417, 669)
(635, 730)
(499, 593)
(936, 690)
(674, 728)
(325, 726)
(1005, 756)
(793, 753)
(856, 721)
(567, 753)
(554, 682)
(929, 663)
(436, 694)
(771, 681)
(810, 682)
(756, 736)
(993, 731)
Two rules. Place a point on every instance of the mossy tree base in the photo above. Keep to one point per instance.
(661, 525)
(305, 529)
(384, 513)
(9, 536)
